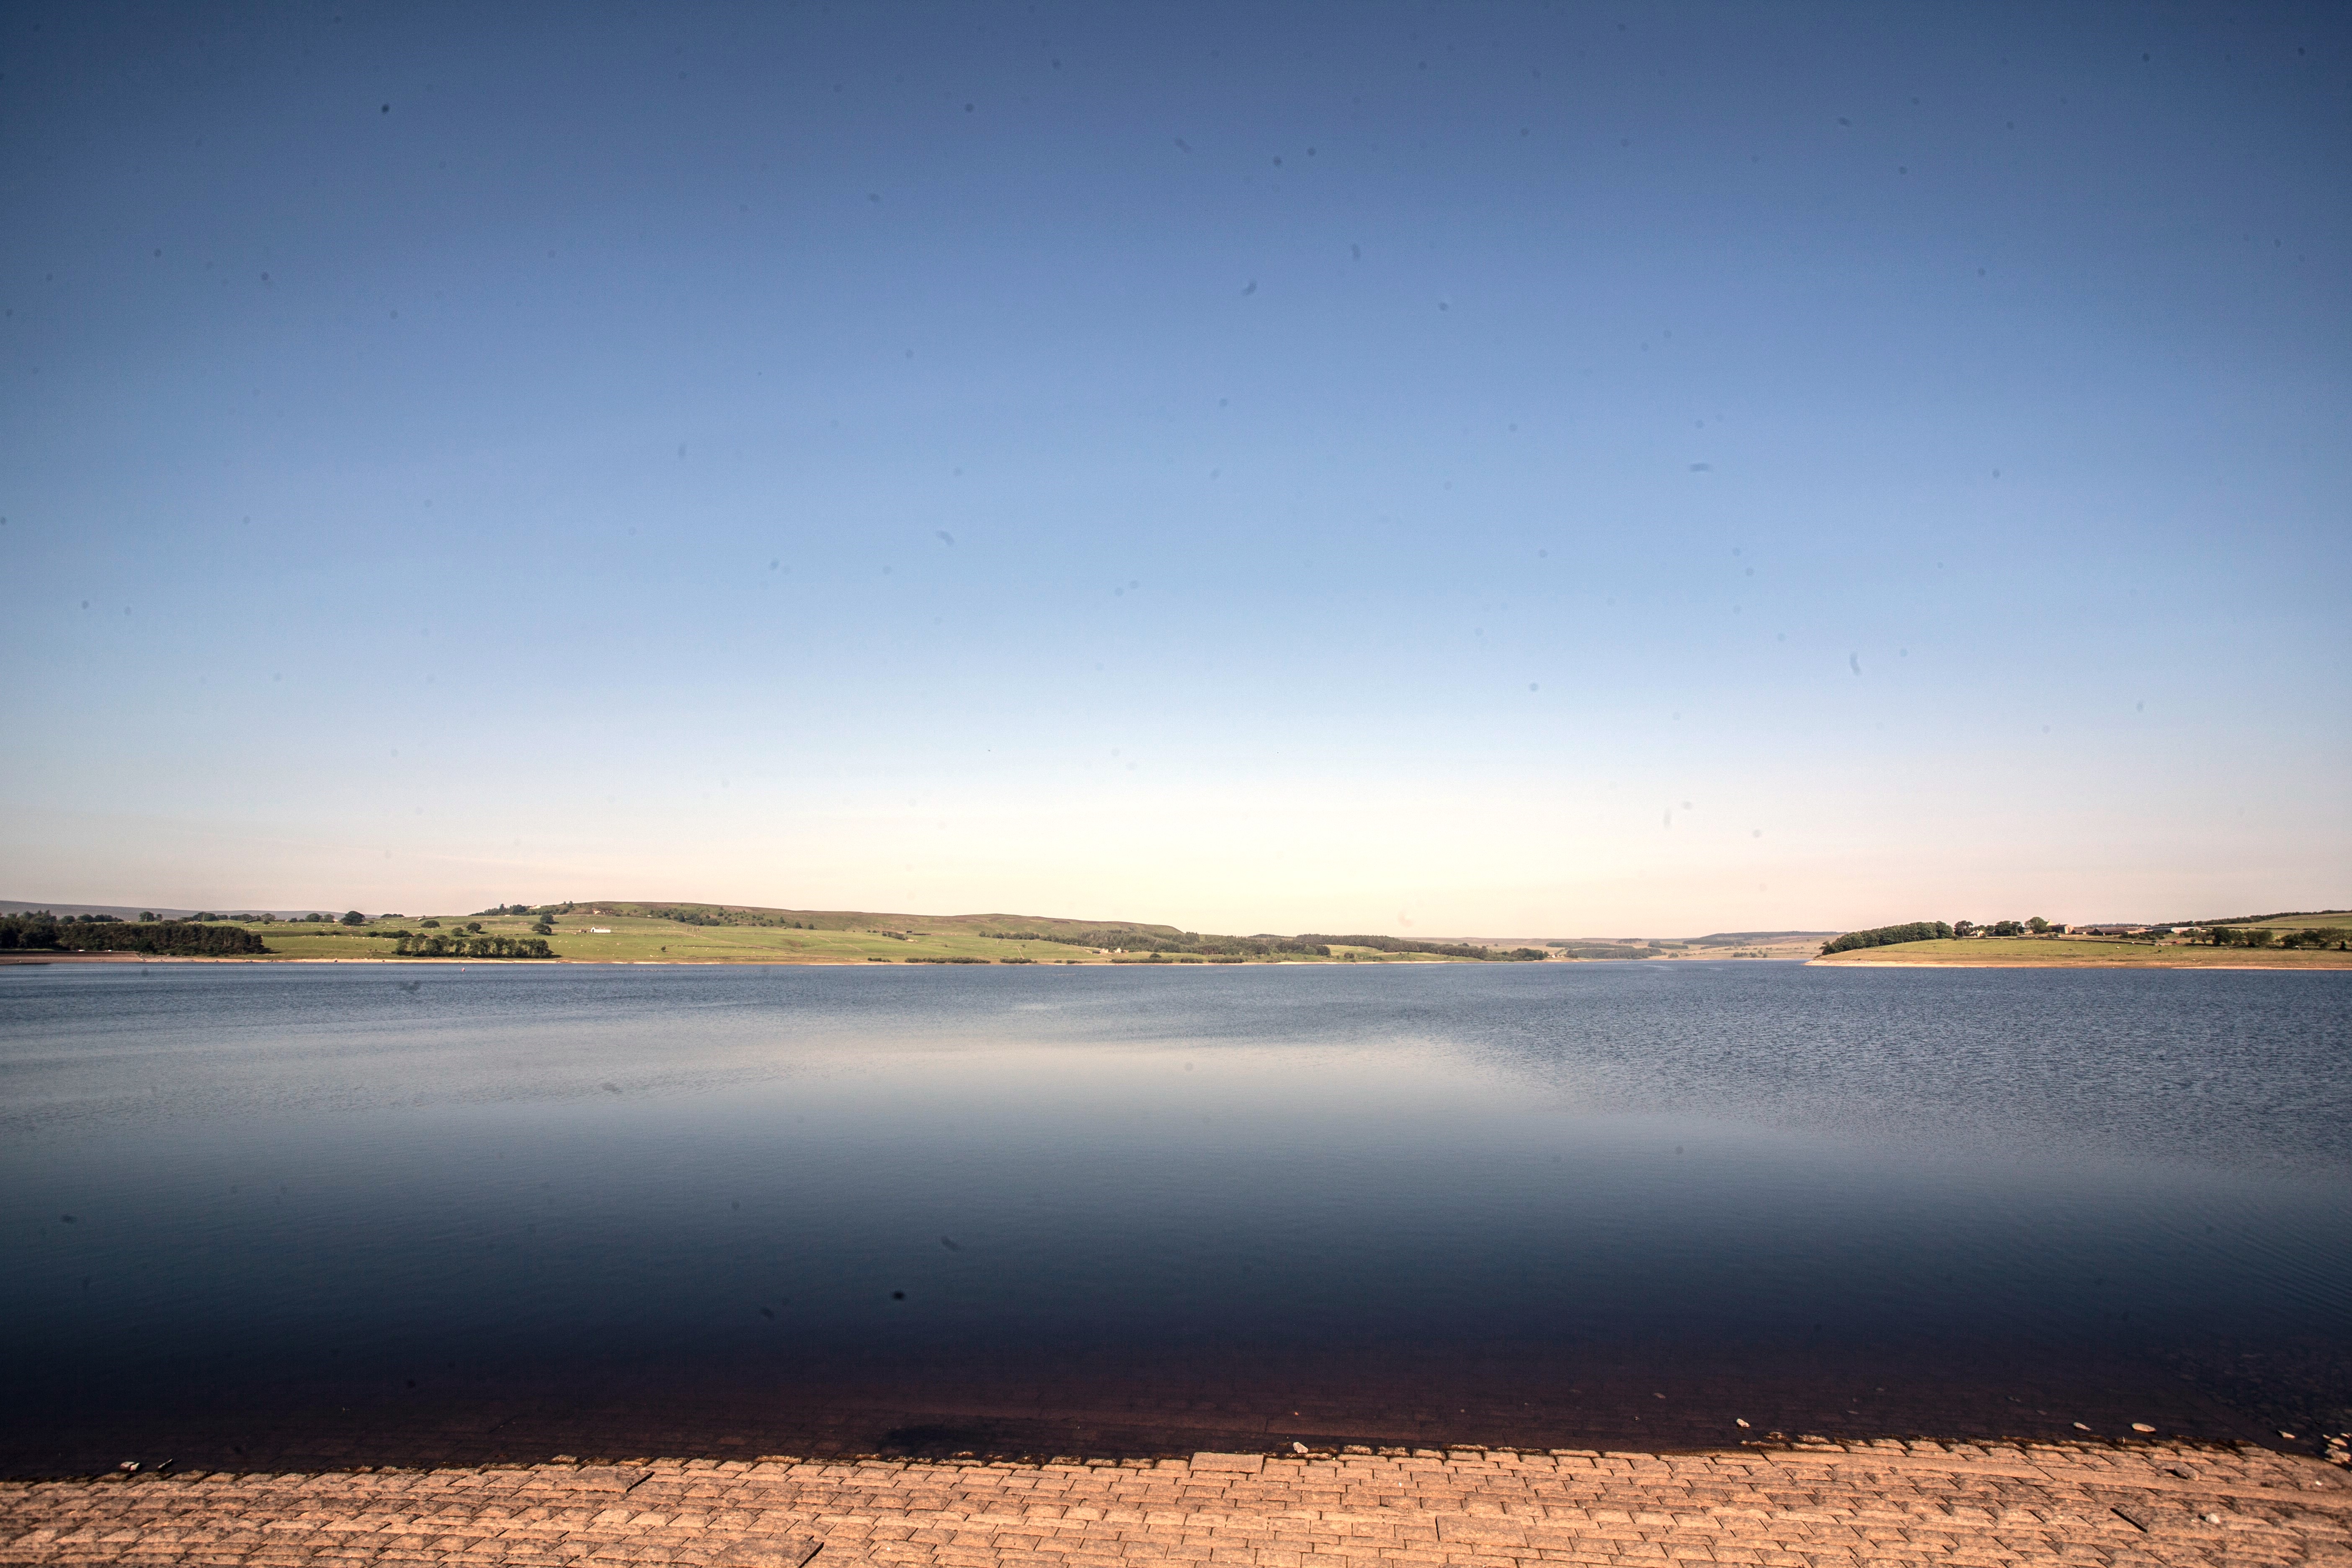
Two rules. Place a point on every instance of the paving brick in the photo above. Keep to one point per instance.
(1988, 1506)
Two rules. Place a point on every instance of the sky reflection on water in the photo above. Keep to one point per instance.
(304, 1174)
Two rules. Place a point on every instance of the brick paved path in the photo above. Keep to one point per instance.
(1803, 1506)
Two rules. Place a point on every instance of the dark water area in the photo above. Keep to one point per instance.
(319, 1215)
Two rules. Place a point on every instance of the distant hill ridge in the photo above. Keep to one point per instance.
(864, 919)
(1079, 931)
(1733, 938)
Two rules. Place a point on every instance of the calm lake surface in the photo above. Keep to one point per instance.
(375, 1213)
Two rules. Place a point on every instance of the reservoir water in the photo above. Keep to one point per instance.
(374, 1214)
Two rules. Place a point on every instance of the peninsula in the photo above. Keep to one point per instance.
(2318, 939)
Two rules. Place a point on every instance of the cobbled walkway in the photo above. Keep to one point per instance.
(1797, 1506)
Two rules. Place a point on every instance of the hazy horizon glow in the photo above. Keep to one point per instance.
(1284, 468)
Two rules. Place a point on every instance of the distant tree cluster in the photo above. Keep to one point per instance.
(688, 916)
(960, 959)
(1399, 945)
(1886, 936)
(2037, 926)
(1131, 940)
(2325, 938)
(416, 944)
(103, 933)
(1147, 944)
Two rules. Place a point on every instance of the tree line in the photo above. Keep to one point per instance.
(2037, 926)
(418, 944)
(690, 917)
(2323, 937)
(43, 932)
(1183, 941)
(1884, 936)
(1308, 945)
(1400, 944)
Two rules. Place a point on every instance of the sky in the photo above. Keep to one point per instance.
(1433, 469)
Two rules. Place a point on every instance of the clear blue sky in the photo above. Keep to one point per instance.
(1503, 470)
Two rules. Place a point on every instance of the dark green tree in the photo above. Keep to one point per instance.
(1884, 936)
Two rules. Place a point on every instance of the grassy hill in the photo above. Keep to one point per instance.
(659, 931)
(624, 931)
(2305, 919)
